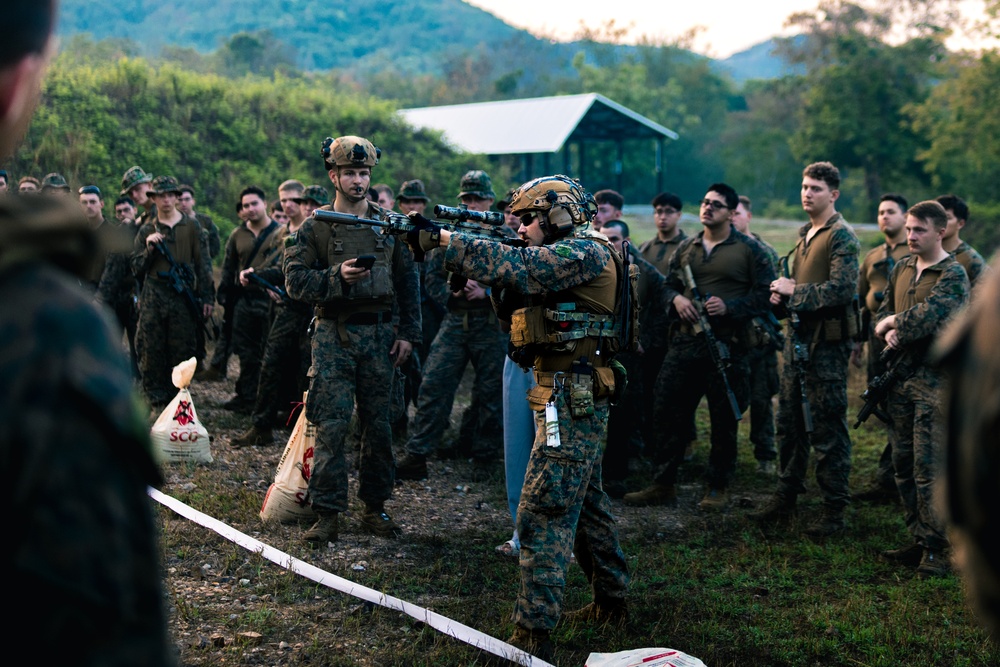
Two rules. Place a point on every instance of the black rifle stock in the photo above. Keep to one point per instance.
(800, 356)
(716, 348)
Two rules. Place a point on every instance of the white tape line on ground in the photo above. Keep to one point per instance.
(437, 621)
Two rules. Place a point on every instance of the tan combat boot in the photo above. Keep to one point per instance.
(605, 612)
(377, 522)
(655, 494)
(535, 642)
(253, 437)
(324, 530)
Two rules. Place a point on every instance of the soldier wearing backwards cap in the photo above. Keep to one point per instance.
(355, 346)
(168, 329)
(568, 332)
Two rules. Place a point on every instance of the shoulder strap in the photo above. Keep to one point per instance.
(259, 242)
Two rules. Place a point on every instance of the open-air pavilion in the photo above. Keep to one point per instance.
(548, 134)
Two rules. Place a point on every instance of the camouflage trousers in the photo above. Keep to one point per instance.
(764, 384)
(286, 353)
(167, 334)
(562, 496)
(884, 475)
(251, 324)
(688, 373)
(916, 434)
(826, 388)
(474, 337)
(340, 371)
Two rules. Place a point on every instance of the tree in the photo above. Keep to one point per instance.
(857, 87)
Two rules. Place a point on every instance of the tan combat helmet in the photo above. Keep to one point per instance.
(560, 201)
(349, 151)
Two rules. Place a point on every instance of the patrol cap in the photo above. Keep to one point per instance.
(164, 184)
(133, 177)
(477, 183)
(506, 200)
(54, 181)
(317, 194)
(349, 151)
(413, 190)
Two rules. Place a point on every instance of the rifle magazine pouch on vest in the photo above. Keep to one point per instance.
(581, 399)
(527, 326)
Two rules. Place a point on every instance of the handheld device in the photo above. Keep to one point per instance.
(365, 262)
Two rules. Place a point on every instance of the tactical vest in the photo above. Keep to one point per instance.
(908, 293)
(811, 264)
(878, 270)
(574, 323)
(343, 242)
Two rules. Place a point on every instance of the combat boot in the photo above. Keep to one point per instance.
(536, 642)
(253, 437)
(876, 492)
(715, 500)
(412, 466)
(934, 563)
(777, 508)
(655, 494)
(605, 612)
(324, 530)
(830, 522)
(910, 555)
(377, 522)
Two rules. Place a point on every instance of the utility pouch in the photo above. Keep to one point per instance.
(581, 399)
(527, 326)
(606, 381)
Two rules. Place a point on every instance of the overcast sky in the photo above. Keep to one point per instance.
(730, 25)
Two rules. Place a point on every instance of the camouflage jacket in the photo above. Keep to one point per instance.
(971, 261)
(924, 304)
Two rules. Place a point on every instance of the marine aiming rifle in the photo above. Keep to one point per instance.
(180, 278)
(718, 350)
(266, 284)
(800, 355)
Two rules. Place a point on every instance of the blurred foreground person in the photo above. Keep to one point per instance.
(80, 552)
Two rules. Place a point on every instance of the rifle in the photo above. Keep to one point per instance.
(397, 223)
(800, 355)
(180, 278)
(716, 349)
(266, 284)
(878, 389)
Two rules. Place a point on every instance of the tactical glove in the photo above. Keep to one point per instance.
(424, 236)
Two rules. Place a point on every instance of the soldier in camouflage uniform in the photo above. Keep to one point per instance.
(820, 291)
(876, 267)
(958, 216)
(118, 288)
(737, 272)
(186, 203)
(169, 324)
(137, 184)
(569, 275)
(762, 361)
(925, 290)
(287, 351)
(354, 348)
(469, 333)
(80, 553)
(969, 493)
(257, 243)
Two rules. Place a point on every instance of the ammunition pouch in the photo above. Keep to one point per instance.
(835, 324)
(537, 325)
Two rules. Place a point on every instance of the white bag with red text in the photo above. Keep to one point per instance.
(644, 657)
(286, 497)
(178, 435)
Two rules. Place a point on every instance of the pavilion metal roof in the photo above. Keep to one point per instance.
(535, 125)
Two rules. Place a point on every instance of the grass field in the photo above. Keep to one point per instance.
(714, 586)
